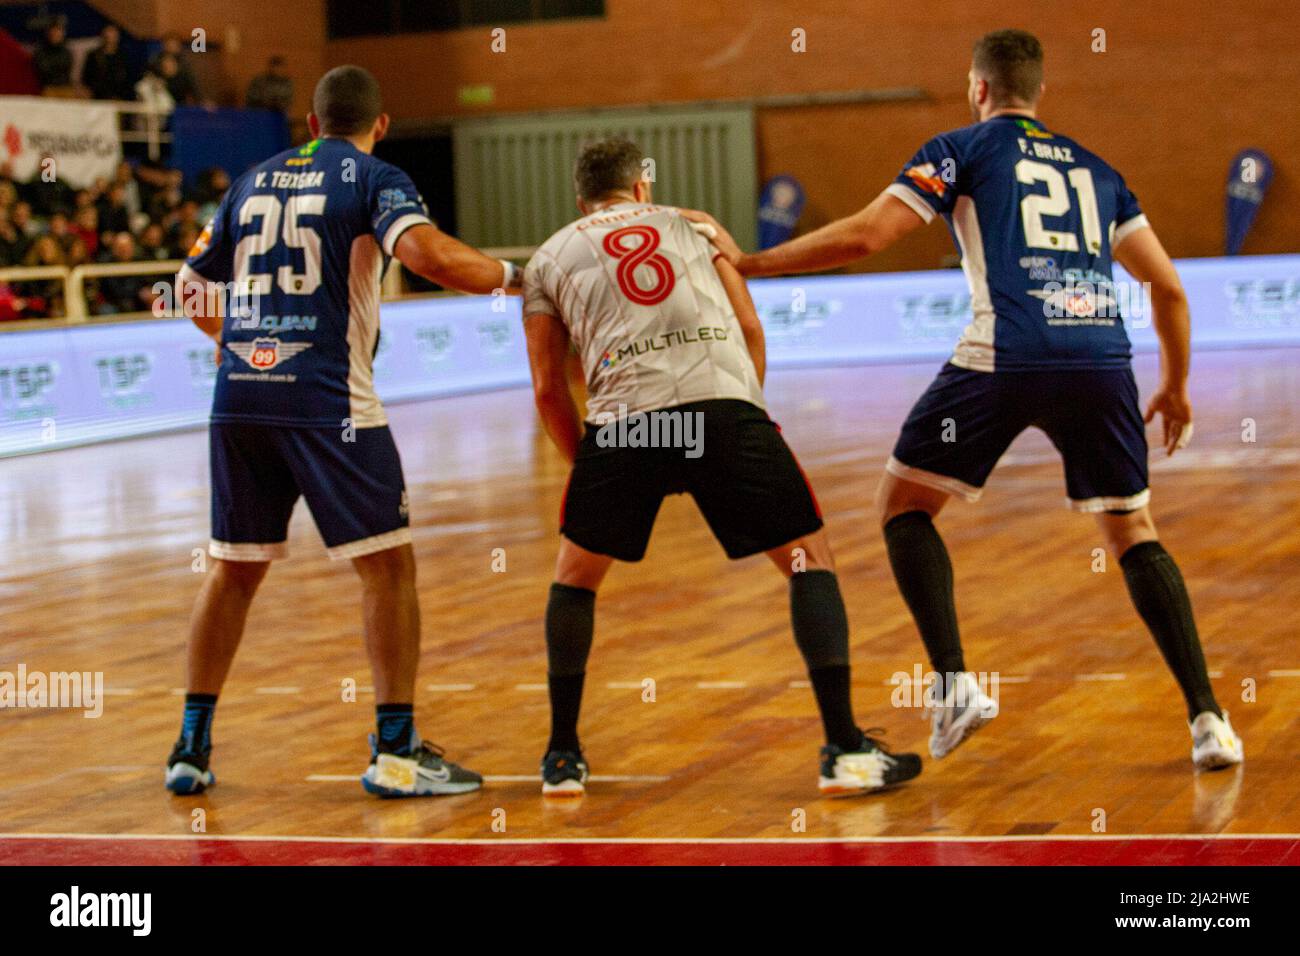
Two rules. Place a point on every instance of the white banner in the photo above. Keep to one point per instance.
(80, 136)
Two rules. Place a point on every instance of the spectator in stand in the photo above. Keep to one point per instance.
(113, 214)
(58, 227)
(186, 236)
(25, 229)
(8, 238)
(272, 90)
(52, 59)
(123, 293)
(45, 296)
(85, 228)
(47, 196)
(186, 215)
(152, 89)
(212, 185)
(153, 243)
(106, 72)
(178, 76)
(125, 177)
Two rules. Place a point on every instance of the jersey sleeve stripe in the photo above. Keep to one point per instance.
(400, 226)
(188, 274)
(915, 202)
(1126, 229)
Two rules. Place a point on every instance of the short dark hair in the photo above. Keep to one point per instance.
(1011, 61)
(606, 166)
(346, 101)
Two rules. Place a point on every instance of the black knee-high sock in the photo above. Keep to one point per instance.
(821, 630)
(1160, 596)
(570, 624)
(924, 575)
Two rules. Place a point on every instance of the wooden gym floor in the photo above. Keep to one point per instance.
(1088, 761)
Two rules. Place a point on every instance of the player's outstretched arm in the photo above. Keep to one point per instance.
(428, 251)
(886, 220)
(1145, 259)
(548, 348)
(746, 314)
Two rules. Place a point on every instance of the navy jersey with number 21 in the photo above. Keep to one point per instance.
(1035, 216)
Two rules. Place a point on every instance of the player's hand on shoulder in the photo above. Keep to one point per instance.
(714, 231)
(1174, 406)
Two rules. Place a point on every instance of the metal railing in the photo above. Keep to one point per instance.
(74, 279)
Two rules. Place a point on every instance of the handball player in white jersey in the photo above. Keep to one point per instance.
(673, 355)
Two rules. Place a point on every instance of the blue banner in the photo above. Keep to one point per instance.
(779, 210)
(97, 382)
(233, 139)
(1248, 180)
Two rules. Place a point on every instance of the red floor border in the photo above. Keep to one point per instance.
(1099, 851)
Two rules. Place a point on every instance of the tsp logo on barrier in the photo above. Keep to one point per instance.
(265, 354)
(120, 374)
(22, 384)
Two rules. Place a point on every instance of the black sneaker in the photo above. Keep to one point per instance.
(564, 774)
(424, 771)
(870, 767)
(187, 770)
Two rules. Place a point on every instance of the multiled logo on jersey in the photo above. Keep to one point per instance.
(658, 343)
(265, 354)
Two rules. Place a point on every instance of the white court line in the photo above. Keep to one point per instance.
(451, 688)
(1284, 673)
(624, 685)
(282, 691)
(531, 687)
(800, 684)
(721, 684)
(502, 778)
(721, 841)
(119, 691)
(1100, 677)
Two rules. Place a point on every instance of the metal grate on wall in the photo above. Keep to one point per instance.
(514, 175)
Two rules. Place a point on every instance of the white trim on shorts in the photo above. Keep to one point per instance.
(932, 480)
(1097, 505)
(363, 546)
(241, 551)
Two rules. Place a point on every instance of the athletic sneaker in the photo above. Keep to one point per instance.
(870, 767)
(187, 770)
(965, 710)
(564, 774)
(421, 773)
(1214, 743)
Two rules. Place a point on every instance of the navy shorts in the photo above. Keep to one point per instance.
(354, 489)
(964, 422)
(745, 481)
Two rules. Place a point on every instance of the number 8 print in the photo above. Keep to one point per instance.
(637, 254)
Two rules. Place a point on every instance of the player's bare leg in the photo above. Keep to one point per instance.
(851, 762)
(391, 611)
(1156, 586)
(923, 572)
(570, 625)
(216, 628)
(401, 765)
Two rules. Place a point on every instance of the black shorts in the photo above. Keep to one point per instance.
(742, 475)
(964, 422)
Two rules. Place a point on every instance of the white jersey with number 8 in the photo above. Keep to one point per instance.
(637, 289)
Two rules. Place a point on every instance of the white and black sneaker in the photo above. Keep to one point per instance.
(965, 709)
(564, 774)
(870, 767)
(1215, 744)
(422, 772)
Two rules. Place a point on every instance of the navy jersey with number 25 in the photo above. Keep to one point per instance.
(1035, 216)
(308, 234)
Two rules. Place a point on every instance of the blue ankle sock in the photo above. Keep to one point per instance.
(196, 725)
(395, 725)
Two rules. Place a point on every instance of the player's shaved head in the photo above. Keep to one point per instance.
(1011, 62)
(346, 101)
(605, 167)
